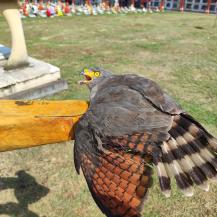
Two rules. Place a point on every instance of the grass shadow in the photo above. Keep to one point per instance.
(26, 191)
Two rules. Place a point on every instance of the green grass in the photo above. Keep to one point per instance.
(168, 48)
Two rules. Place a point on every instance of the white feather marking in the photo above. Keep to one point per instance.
(93, 92)
(188, 192)
(167, 193)
(181, 141)
(174, 166)
(213, 142)
(176, 170)
(188, 137)
(193, 129)
(186, 163)
(162, 172)
(196, 158)
(204, 186)
(206, 155)
(204, 152)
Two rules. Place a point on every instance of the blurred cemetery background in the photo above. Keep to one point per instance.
(52, 8)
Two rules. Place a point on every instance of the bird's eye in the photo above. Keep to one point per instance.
(96, 74)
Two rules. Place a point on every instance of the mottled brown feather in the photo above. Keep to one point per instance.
(119, 184)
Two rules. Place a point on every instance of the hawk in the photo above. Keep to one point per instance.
(132, 126)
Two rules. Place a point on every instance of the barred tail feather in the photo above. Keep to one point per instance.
(198, 131)
(164, 179)
(188, 165)
(183, 181)
(189, 155)
(213, 143)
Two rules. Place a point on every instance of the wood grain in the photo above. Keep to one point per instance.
(25, 124)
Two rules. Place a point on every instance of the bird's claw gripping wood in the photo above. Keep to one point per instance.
(27, 124)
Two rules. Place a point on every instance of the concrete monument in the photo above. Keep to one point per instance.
(22, 77)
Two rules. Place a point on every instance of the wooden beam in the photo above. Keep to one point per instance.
(25, 124)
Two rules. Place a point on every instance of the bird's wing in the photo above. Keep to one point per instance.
(190, 152)
(147, 88)
(118, 179)
(126, 128)
(153, 93)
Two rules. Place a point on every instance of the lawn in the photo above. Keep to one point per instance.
(179, 51)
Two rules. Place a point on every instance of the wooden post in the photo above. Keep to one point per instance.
(132, 5)
(18, 56)
(161, 5)
(182, 5)
(107, 4)
(208, 6)
(26, 124)
(88, 2)
(142, 3)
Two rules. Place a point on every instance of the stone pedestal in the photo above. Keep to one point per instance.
(37, 80)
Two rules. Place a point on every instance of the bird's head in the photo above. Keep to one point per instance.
(93, 75)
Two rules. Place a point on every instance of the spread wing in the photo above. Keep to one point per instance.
(131, 124)
(118, 179)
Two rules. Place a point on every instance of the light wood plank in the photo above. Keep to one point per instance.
(25, 124)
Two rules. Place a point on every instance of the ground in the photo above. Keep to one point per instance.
(176, 50)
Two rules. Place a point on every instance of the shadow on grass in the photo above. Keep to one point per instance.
(26, 190)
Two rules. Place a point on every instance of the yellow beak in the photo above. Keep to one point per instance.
(88, 75)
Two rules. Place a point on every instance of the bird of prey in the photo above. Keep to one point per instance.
(131, 127)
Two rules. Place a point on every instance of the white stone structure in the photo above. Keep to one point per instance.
(22, 77)
(38, 80)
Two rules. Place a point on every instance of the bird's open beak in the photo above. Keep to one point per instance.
(87, 78)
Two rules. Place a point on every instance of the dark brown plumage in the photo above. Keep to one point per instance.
(130, 125)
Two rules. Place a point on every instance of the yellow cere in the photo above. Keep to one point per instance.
(92, 73)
